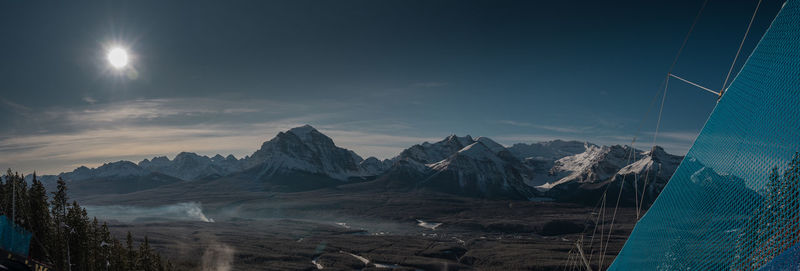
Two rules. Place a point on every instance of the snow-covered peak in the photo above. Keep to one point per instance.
(189, 165)
(655, 161)
(479, 151)
(304, 132)
(491, 144)
(595, 164)
(217, 158)
(155, 162)
(478, 170)
(549, 150)
(373, 166)
(657, 152)
(477, 157)
(120, 168)
(81, 169)
(114, 169)
(428, 153)
(466, 140)
(306, 149)
(189, 156)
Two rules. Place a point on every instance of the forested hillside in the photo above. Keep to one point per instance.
(63, 233)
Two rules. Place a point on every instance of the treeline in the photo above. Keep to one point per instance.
(775, 224)
(63, 234)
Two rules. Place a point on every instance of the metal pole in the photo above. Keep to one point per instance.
(69, 264)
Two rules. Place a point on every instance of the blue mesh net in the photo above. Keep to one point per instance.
(733, 202)
(14, 238)
(788, 260)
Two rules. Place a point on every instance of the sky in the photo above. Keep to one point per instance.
(376, 76)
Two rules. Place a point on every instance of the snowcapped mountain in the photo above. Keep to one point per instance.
(481, 169)
(373, 166)
(478, 167)
(427, 153)
(108, 170)
(594, 164)
(304, 149)
(190, 166)
(548, 150)
(540, 157)
(655, 161)
(110, 178)
(601, 169)
(649, 174)
(303, 158)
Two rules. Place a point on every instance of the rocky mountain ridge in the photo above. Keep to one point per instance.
(473, 167)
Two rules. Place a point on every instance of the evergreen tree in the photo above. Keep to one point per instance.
(63, 234)
(146, 262)
(78, 226)
(775, 225)
(41, 223)
(131, 259)
(118, 257)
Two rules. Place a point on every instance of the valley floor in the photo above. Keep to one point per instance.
(366, 231)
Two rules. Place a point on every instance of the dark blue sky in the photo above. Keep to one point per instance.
(377, 76)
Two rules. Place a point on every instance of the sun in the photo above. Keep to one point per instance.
(118, 58)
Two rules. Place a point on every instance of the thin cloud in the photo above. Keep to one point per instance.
(428, 84)
(15, 106)
(677, 136)
(58, 139)
(560, 129)
(150, 109)
(139, 129)
(374, 144)
(89, 100)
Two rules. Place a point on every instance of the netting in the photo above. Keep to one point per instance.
(733, 202)
(13, 238)
(788, 260)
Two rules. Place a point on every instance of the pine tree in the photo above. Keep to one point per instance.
(118, 256)
(78, 227)
(131, 260)
(16, 199)
(60, 238)
(102, 245)
(146, 262)
(64, 235)
(41, 223)
(7, 193)
(775, 225)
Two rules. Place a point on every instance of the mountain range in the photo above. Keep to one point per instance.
(303, 158)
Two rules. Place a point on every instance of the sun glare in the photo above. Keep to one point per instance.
(118, 58)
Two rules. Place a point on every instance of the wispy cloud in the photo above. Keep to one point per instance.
(561, 129)
(428, 84)
(89, 100)
(14, 106)
(151, 109)
(677, 136)
(138, 129)
(60, 139)
(374, 144)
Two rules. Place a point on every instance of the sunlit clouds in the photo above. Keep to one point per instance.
(145, 128)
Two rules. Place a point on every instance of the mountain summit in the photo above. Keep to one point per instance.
(303, 158)
(306, 150)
